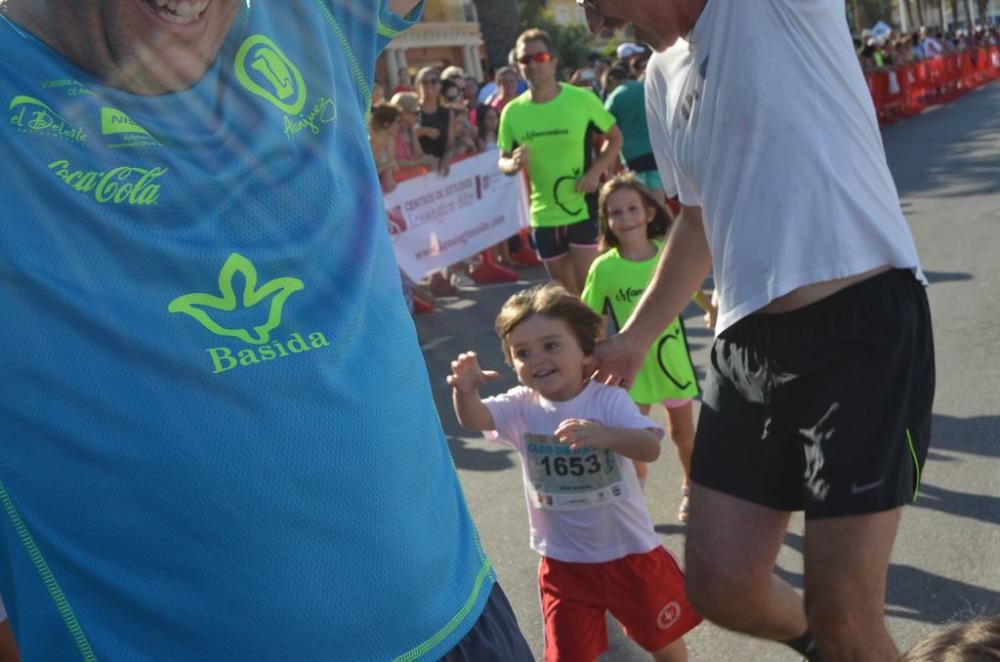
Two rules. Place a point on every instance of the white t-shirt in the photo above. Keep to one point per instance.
(764, 120)
(584, 506)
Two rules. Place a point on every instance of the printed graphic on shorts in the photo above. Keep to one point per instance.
(213, 310)
(249, 313)
(264, 69)
(564, 479)
(35, 117)
(121, 131)
(668, 615)
(815, 437)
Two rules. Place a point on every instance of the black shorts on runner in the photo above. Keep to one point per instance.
(555, 242)
(826, 408)
(495, 637)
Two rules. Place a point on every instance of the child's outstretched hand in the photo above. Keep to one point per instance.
(466, 375)
(582, 433)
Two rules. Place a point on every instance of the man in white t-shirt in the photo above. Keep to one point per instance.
(821, 381)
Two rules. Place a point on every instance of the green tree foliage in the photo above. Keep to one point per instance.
(572, 42)
(500, 25)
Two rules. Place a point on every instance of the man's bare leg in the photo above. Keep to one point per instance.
(846, 561)
(730, 552)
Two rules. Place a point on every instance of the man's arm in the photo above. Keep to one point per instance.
(685, 262)
(591, 179)
(402, 8)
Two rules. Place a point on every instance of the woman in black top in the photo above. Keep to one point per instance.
(436, 131)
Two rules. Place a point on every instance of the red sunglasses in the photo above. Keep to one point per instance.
(537, 58)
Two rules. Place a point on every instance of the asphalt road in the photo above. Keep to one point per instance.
(946, 561)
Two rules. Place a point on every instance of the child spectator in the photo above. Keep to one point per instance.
(578, 441)
(633, 225)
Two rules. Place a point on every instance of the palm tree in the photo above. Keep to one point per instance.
(498, 21)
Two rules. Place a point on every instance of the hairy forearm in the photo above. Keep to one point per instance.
(682, 269)
(609, 155)
(472, 414)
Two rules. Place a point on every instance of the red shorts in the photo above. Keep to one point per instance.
(645, 592)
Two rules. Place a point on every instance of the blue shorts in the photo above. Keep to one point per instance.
(495, 637)
(554, 242)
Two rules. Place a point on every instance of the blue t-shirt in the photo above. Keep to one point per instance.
(217, 436)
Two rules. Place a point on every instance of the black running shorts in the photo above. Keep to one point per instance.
(495, 637)
(826, 408)
(555, 242)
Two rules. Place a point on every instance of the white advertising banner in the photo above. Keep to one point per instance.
(436, 221)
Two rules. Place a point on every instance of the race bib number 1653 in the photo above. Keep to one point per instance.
(564, 479)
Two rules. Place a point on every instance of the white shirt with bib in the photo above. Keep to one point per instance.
(585, 506)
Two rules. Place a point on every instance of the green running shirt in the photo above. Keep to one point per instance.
(559, 133)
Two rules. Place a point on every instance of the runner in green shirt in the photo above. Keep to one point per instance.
(549, 131)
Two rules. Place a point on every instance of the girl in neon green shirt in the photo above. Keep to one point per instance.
(632, 226)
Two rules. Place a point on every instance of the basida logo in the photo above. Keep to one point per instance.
(228, 313)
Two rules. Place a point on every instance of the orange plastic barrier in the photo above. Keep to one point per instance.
(907, 90)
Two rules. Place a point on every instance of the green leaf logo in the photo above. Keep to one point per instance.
(270, 297)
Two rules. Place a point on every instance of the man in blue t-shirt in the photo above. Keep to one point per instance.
(206, 351)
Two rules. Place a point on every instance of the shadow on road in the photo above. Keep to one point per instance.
(918, 595)
(976, 435)
(467, 456)
(946, 276)
(981, 507)
(950, 147)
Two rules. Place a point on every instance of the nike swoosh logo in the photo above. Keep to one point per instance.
(861, 489)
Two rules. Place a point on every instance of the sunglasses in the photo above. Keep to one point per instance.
(430, 81)
(537, 58)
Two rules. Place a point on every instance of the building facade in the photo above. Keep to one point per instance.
(448, 35)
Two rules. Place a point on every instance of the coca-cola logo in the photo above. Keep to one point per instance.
(122, 185)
